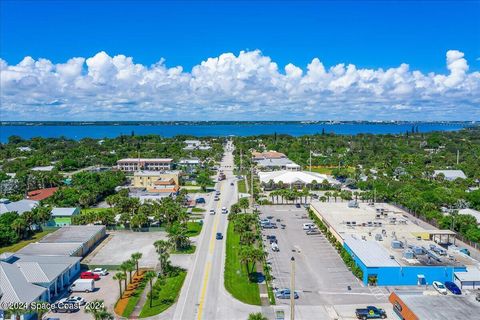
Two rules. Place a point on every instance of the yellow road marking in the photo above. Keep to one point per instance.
(209, 264)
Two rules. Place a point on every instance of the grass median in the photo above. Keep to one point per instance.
(236, 276)
(165, 293)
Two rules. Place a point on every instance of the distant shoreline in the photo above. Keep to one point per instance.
(210, 123)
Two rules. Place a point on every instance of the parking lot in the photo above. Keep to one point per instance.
(120, 245)
(106, 289)
(321, 277)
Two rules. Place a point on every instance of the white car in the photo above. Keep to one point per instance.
(217, 193)
(212, 211)
(224, 210)
(99, 271)
(76, 299)
(440, 287)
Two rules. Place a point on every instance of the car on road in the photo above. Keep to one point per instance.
(224, 210)
(65, 307)
(216, 198)
(285, 294)
(219, 236)
(231, 183)
(212, 211)
(76, 299)
(269, 225)
(370, 312)
(99, 271)
(440, 287)
(217, 192)
(272, 239)
(275, 247)
(453, 288)
(298, 205)
(313, 232)
(89, 275)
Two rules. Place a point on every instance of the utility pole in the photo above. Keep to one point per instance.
(292, 290)
(310, 160)
(251, 178)
(241, 161)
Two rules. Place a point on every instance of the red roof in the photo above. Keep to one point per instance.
(41, 194)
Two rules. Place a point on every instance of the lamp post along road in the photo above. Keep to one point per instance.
(292, 290)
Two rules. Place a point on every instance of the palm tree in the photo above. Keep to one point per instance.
(177, 235)
(98, 311)
(124, 268)
(149, 276)
(136, 256)
(162, 247)
(328, 194)
(130, 268)
(19, 226)
(119, 276)
(256, 316)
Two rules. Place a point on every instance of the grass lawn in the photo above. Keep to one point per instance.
(17, 246)
(322, 170)
(236, 277)
(194, 228)
(132, 301)
(198, 209)
(165, 294)
(241, 186)
(188, 250)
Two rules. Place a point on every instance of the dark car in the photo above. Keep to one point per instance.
(200, 200)
(66, 307)
(219, 236)
(298, 205)
(370, 312)
(453, 288)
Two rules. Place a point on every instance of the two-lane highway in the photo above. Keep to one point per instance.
(199, 296)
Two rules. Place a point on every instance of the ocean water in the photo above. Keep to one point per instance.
(200, 130)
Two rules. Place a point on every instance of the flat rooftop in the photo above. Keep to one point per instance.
(439, 307)
(370, 230)
(51, 249)
(69, 234)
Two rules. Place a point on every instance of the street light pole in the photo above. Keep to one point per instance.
(292, 290)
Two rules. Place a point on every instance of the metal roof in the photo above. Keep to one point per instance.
(370, 252)
(18, 206)
(68, 234)
(15, 287)
(36, 272)
(451, 174)
(472, 274)
(64, 212)
(52, 249)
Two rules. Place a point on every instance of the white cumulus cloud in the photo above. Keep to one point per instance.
(247, 86)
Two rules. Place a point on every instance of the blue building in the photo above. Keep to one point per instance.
(383, 268)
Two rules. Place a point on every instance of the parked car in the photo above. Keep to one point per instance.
(219, 236)
(370, 312)
(212, 211)
(308, 226)
(65, 307)
(312, 232)
(82, 285)
(285, 294)
(89, 275)
(453, 288)
(263, 221)
(76, 299)
(275, 247)
(231, 183)
(440, 287)
(269, 226)
(100, 271)
(298, 205)
(200, 200)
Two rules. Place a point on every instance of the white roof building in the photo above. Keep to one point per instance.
(471, 212)
(17, 206)
(44, 168)
(294, 177)
(450, 175)
(64, 212)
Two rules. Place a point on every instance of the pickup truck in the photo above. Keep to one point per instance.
(370, 312)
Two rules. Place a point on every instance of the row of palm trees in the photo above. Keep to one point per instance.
(129, 266)
(293, 196)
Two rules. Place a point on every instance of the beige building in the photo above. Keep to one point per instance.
(155, 179)
(134, 164)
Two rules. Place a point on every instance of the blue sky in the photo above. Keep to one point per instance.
(370, 34)
(374, 36)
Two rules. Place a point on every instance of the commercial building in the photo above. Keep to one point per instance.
(296, 179)
(196, 145)
(87, 236)
(63, 216)
(19, 207)
(135, 164)
(146, 179)
(389, 248)
(417, 306)
(273, 160)
(450, 175)
(41, 194)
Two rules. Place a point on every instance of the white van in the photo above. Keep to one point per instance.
(82, 285)
(308, 226)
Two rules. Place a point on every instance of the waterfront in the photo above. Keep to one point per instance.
(212, 129)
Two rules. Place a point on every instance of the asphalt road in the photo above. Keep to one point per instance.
(199, 298)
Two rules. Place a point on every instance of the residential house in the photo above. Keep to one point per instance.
(63, 216)
(450, 175)
(19, 207)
